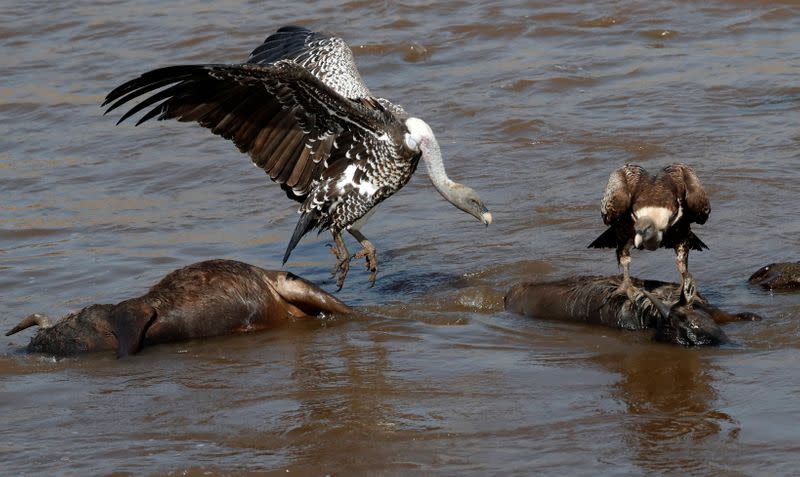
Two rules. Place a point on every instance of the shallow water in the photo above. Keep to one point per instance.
(534, 105)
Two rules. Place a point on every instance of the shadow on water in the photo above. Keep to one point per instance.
(671, 415)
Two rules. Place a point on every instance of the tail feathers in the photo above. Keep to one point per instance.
(308, 221)
(695, 243)
(607, 239)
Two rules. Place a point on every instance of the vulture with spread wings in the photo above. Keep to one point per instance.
(646, 211)
(299, 109)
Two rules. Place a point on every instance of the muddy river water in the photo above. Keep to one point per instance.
(534, 104)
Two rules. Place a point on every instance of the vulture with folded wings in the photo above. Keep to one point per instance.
(652, 211)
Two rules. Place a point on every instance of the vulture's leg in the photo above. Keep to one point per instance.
(688, 290)
(682, 262)
(624, 260)
(367, 251)
(342, 260)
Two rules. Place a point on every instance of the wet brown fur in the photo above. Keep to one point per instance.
(778, 276)
(592, 300)
(211, 298)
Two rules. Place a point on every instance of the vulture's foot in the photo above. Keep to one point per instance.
(371, 256)
(342, 266)
(688, 288)
(340, 270)
(626, 288)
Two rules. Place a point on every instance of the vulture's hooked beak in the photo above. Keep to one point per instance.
(486, 216)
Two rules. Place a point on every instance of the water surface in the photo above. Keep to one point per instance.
(534, 104)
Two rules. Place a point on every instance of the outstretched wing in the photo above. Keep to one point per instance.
(280, 114)
(694, 200)
(619, 192)
(327, 57)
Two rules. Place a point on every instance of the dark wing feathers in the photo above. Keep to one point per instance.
(673, 237)
(280, 114)
(695, 243)
(619, 193)
(145, 83)
(322, 107)
(607, 239)
(308, 221)
(694, 200)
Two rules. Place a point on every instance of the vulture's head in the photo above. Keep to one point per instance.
(647, 234)
(649, 223)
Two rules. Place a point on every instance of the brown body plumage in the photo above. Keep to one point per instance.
(652, 211)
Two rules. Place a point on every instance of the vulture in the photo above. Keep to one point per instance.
(299, 109)
(651, 211)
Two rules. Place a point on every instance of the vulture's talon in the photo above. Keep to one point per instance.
(626, 288)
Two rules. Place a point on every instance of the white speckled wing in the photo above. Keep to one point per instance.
(327, 57)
